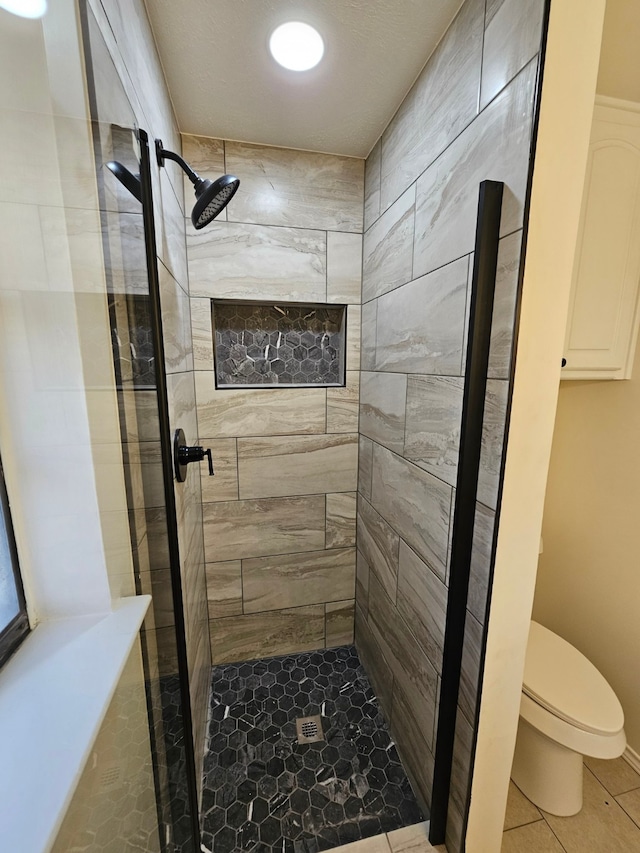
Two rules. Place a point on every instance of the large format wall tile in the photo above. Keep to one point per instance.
(411, 667)
(206, 156)
(420, 326)
(460, 782)
(292, 580)
(422, 602)
(368, 335)
(374, 662)
(237, 261)
(223, 486)
(415, 503)
(388, 248)
(504, 306)
(202, 333)
(480, 561)
(341, 520)
(343, 405)
(511, 39)
(261, 635)
(428, 120)
(365, 467)
(297, 465)
(470, 673)
(344, 267)
(281, 186)
(338, 623)
(372, 185)
(224, 588)
(434, 413)
(383, 398)
(363, 570)
(235, 530)
(413, 742)
(496, 145)
(256, 411)
(493, 426)
(379, 545)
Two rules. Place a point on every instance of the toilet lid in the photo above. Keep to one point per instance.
(561, 679)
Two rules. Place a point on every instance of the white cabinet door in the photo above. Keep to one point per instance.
(603, 314)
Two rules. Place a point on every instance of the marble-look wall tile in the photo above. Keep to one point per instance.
(413, 742)
(182, 404)
(224, 588)
(387, 255)
(260, 635)
(383, 398)
(281, 186)
(493, 427)
(434, 414)
(172, 248)
(354, 333)
(363, 571)
(297, 465)
(234, 530)
(372, 168)
(496, 144)
(293, 580)
(230, 260)
(176, 323)
(422, 603)
(201, 333)
(257, 411)
(205, 155)
(460, 780)
(415, 503)
(365, 467)
(339, 619)
(442, 102)
(379, 545)
(344, 267)
(374, 662)
(470, 672)
(511, 40)
(368, 335)
(504, 306)
(343, 405)
(420, 326)
(411, 667)
(480, 561)
(341, 520)
(223, 486)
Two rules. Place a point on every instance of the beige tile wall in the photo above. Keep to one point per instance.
(279, 515)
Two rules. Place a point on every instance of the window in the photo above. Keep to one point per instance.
(14, 624)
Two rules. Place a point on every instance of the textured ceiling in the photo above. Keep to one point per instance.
(223, 82)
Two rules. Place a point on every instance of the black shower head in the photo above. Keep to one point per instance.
(211, 196)
(126, 178)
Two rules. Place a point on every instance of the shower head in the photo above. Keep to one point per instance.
(126, 178)
(211, 196)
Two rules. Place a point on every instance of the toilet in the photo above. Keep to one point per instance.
(567, 710)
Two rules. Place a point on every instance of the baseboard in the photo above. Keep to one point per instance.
(632, 758)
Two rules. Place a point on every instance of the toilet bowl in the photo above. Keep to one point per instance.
(567, 710)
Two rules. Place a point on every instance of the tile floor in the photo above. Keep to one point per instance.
(263, 791)
(608, 823)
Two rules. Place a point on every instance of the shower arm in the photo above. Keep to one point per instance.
(163, 154)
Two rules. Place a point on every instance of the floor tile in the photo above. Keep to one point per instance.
(267, 792)
(602, 825)
(520, 810)
(630, 802)
(616, 775)
(411, 839)
(533, 838)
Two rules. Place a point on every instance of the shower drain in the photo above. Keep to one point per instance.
(309, 729)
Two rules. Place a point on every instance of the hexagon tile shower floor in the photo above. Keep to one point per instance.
(264, 791)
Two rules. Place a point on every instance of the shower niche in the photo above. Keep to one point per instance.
(270, 345)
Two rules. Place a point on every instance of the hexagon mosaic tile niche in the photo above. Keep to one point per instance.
(259, 344)
(265, 792)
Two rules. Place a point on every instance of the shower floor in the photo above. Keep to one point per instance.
(264, 791)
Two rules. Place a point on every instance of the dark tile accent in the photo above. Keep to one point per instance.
(266, 344)
(266, 792)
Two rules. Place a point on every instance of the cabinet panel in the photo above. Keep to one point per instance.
(603, 315)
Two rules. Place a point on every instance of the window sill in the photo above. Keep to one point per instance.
(54, 694)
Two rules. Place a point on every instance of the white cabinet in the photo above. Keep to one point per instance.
(604, 313)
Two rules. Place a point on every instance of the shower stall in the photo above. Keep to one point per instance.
(333, 341)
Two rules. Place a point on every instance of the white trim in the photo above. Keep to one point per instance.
(617, 103)
(632, 758)
(54, 694)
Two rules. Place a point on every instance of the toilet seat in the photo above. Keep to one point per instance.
(566, 684)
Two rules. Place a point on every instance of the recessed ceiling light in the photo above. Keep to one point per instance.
(25, 8)
(296, 46)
